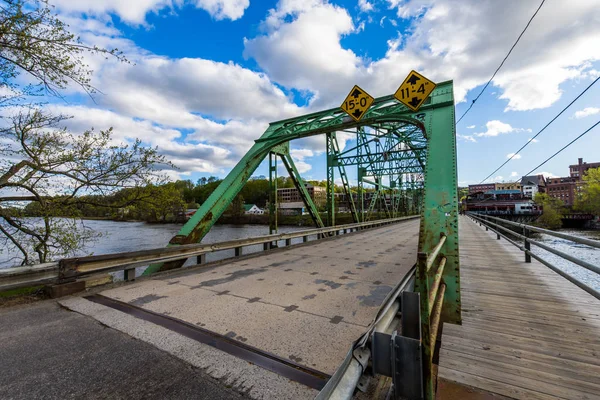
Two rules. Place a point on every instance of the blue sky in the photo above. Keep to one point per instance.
(208, 75)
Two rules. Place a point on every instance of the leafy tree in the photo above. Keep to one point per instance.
(588, 199)
(553, 210)
(42, 165)
(50, 168)
(164, 201)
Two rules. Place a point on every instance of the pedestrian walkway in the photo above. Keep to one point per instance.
(527, 333)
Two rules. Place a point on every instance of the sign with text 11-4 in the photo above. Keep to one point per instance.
(414, 90)
(357, 103)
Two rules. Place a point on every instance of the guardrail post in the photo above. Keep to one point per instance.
(266, 246)
(129, 274)
(304, 239)
(527, 244)
(201, 259)
(288, 242)
(238, 251)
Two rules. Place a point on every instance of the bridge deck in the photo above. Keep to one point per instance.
(527, 333)
(306, 304)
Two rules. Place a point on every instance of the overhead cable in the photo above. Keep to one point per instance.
(542, 130)
(502, 63)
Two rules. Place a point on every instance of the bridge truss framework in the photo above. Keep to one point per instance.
(406, 159)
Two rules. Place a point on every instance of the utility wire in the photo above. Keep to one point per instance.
(502, 63)
(564, 147)
(542, 130)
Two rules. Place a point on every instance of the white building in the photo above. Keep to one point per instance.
(530, 185)
(253, 209)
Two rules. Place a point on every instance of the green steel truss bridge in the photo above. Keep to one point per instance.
(414, 153)
(378, 308)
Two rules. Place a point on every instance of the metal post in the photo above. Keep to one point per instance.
(272, 193)
(527, 244)
(238, 251)
(304, 239)
(266, 246)
(330, 181)
(201, 259)
(129, 274)
(288, 242)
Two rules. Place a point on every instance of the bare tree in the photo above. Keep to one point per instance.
(41, 162)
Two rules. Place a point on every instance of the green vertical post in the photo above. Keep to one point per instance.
(439, 216)
(273, 211)
(330, 181)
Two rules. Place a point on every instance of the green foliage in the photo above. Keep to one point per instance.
(553, 211)
(588, 199)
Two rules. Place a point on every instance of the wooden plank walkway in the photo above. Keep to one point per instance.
(527, 333)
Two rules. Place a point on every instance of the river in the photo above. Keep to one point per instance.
(117, 237)
(580, 251)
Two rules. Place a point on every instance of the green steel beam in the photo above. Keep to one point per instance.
(335, 148)
(439, 216)
(301, 187)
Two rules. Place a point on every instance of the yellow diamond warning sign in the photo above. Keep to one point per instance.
(414, 90)
(357, 103)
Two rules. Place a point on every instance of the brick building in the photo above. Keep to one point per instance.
(563, 189)
(566, 188)
(508, 186)
(291, 195)
(483, 187)
(578, 170)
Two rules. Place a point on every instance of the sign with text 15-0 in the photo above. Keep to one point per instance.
(414, 90)
(357, 103)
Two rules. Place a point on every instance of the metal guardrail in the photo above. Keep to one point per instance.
(351, 372)
(73, 268)
(527, 242)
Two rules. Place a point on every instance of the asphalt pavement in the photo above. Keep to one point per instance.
(51, 353)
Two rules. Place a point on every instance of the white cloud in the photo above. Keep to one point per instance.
(495, 128)
(464, 41)
(498, 178)
(586, 112)
(471, 127)
(533, 140)
(513, 156)
(365, 6)
(306, 53)
(135, 11)
(299, 156)
(546, 174)
(466, 138)
(514, 174)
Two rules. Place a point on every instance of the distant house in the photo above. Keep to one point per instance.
(533, 184)
(189, 213)
(252, 209)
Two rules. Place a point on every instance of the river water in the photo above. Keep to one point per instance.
(580, 251)
(117, 237)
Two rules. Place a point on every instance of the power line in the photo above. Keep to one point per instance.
(542, 130)
(502, 63)
(563, 148)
